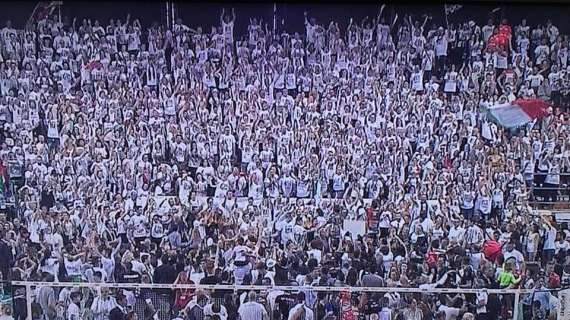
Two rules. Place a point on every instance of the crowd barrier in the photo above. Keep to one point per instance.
(540, 193)
(516, 294)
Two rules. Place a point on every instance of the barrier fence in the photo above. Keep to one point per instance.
(550, 196)
(161, 301)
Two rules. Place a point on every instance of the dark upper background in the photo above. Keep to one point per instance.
(207, 14)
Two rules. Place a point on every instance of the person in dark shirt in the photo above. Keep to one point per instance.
(119, 312)
(47, 198)
(212, 278)
(6, 257)
(129, 276)
(281, 272)
(166, 273)
(211, 275)
(3, 132)
(261, 269)
(493, 303)
(285, 302)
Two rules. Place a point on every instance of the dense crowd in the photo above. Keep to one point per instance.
(155, 155)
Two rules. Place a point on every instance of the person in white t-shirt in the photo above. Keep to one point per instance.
(228, 25)
(549, 247)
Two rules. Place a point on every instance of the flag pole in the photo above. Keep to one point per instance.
(59, 12)
(274, 17)
(173, 15)
(167, 4)
(446, 19)
(31, 18)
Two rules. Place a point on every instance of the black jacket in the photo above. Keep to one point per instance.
(165, 274)
(117, 314)
(6, 259)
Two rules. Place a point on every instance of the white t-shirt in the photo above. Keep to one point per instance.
(450, 313)
(241, 253)
(133, 41)
(441, 46)
(487, 31)
(338, 182)
(535, 80)
(139, 224)
(514, 254)
(73, 268)
(73, 312)
(482, 298)
(550, 237)
(417, 81)
(228, 30)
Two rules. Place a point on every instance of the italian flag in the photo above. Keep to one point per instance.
(518, 112)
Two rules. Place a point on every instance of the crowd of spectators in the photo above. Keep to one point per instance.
(179, 155)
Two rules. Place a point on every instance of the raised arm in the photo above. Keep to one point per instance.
(409, 20)
(128, 20)
(363, 22)
(117, 248)
(547, 222)
(394, 22)
(425, 21)
(381, 10)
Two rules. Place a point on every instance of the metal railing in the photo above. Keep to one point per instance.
(334, 294)
(542, 195)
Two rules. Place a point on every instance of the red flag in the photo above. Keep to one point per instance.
(535, 108)
(518, 112)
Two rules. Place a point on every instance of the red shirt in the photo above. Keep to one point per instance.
(502, 40)
(505, 29)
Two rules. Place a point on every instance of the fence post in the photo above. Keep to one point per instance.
(516, 307)
(29, 301)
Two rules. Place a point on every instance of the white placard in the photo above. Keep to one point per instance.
(355, 227)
